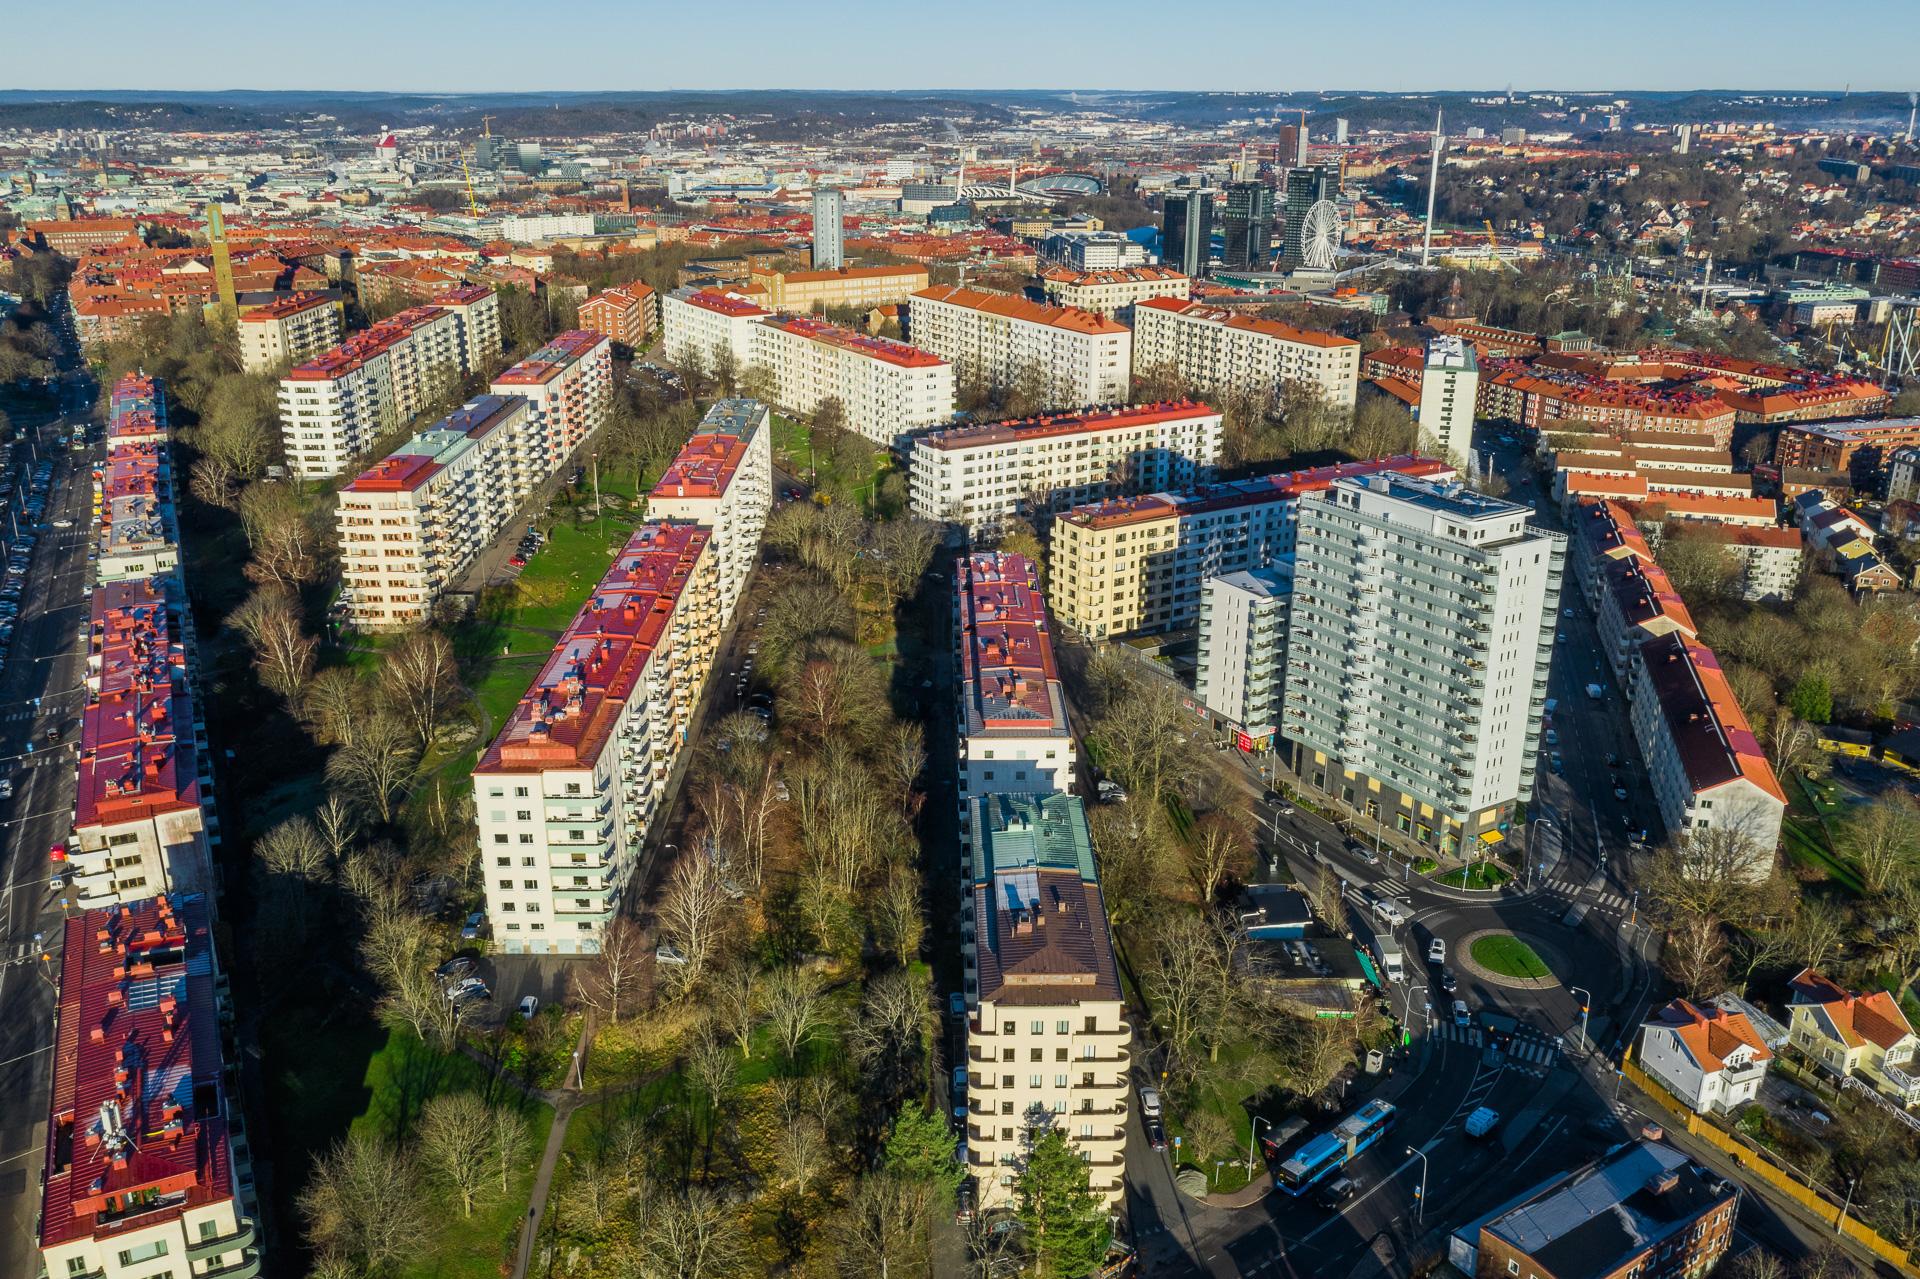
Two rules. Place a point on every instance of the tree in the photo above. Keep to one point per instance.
(1145, 737)
(794, 1008)
(420, 681)
(1812, 699)
(693, 917)
(1216, 849)
(1312, 1050)
(455, 1134)
(839, 693)
(511, 1140)
(1067, 1227)
(737, 1003)
(336, 704)
(710, 1065)
(610, 981)
(377, 766)
(899, 923)
(363, 1202)
(1129, 843)
(282, 652)
(725, 366)
(1695, 955)
(1328, 903)
(1795, 746)
(798, 613)
(1189, 980)
(919, 1149)
(902, 550)
(882, 1229)
(1700, 565)
(890, 1033)
(1818, 928)
(294, 848)
(694, 1235)
(1885, 842)
(828, 425)
(285, 533)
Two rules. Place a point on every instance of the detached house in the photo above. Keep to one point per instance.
(1708, 1057)
(1865, 1036)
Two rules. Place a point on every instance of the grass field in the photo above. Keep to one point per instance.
(1508, 956)
(1479, 875)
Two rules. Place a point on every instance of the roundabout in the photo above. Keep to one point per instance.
(1505, 959)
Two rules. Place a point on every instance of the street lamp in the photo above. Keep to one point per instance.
(1841, 1222)
(1420, 1195)
(1586, 1010)
(1531, 858)
(1253, 1136)
(1216, 1173)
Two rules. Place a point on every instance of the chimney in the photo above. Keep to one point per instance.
(1663, 1181)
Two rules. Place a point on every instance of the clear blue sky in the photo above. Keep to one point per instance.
(467, 45)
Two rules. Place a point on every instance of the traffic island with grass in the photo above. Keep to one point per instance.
(1504, 955)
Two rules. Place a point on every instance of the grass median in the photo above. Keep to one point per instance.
(1507, 956)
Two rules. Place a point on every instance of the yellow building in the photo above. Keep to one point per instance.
(850, 286)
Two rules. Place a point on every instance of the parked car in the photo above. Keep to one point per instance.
(470, 930)
(965, 1200)
(668, 953)
(529, 1005)
(454, 969)
(1553, 737)
(467, 990)
(957, 1006)
(1362, 853)
(1619, 791)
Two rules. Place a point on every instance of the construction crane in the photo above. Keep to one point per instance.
(222, 263)
(1493, 242)
(473, 205)
(486, 126)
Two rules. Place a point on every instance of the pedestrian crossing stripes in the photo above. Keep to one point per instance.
(1538, 1052)
(1602, 901)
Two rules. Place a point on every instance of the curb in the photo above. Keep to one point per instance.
(1462, 952)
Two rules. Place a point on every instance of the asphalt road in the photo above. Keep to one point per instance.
(47, 661)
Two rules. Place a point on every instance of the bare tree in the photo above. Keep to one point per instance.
(711, 1066)
(890, 1034)
(882, 1229)
(455, 1133)
(898, 920)
(800, 1151)
(1695, 955)
(1146, 739)
(420, 681)
(695, 1235)
(288, 539)
(1818, 929)
(1312, 1050)
(511, 1141)
(839, 693)
(1325, 898)
(336, 704)
(294, 848)
(400, 950)
(282, 652)
(693, 916)
(363, 1202)
(1217, 848)
(902, 550)
(610, 981)
(337, 825)
(903, 756)
(1189, 980)
(1129, 841)
(794, 1008)
(378, 766)
(1885, 842)
(736, 1002)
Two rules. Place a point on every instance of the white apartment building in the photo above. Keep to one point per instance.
(1417, 652)
(1013, 716)
(978, 475)
(1112, 293)
(476, 316)
(530, 228)
(1242, 668)
(1449, 389)
(1706, 768)
(723, 479)
(997, 339)
(1710, 1058)
(565, 794)
(288, 330)
(1136, 564)
(887, 388)
(413, 522)
(1093, 250)
(697, 322)
(568, 385)
(1216, 350)
(1046, 1032)
(147, 1173)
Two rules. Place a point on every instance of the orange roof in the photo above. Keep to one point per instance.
(1858, 1019)
(1712, 1035)
(848, 273)
(1248, 324)
(1013, 308)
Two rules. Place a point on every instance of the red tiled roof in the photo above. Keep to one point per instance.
(1009, 307)
(1248, 324)
(561, 353)
(703, 467)
(1280, 486)
(1708, 728)
(1870, 1018)
(878, 348)
(136, 733)
(1006, 653)
(1047, 426)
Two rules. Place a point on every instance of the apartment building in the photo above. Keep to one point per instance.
(1417, 653)
(289, 330)
(1771, 559)
(568, 386)
(1112, 293)
(829, 228)
(1449, 392)
(723, 480)
(1013, 716)
(1642, 1209)
(864, 287)
(978, 475)
(1136, 564)
(144, 797)
(1242, 665)
(136, 534)
(998, 340)
(697, 322)
(627, 314)
(1858, 448)
(147, 1172)
(1216, 351)
(475, 309)
(1706, 769)
(1710, 1058)
(887, 388)
(1046, 1033)
(413, 522)
(566, 792)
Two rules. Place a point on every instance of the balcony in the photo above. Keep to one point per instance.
(242, 1238)
(247, 1266)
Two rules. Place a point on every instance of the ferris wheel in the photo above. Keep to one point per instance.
(1320, 235)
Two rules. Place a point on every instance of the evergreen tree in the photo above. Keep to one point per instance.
(1066, 1225)
(919, 1148)
(1812, 699)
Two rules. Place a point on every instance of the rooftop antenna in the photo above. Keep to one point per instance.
(1433, 185)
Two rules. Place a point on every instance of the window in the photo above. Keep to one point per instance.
(523, 815)
(143, 1252)
(1039, 1027)
(1513, 1267)
(76, 1266)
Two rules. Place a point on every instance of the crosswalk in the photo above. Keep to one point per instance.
(1523, 1051)
(1577, 888)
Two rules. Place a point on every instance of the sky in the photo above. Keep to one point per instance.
(454, 46)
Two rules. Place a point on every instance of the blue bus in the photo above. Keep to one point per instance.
(1332, 1149)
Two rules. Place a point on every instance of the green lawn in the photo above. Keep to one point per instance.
(1479, 875)
(1226, 1088)
(1508, 956)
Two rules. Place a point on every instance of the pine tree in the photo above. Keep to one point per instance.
(919, 1148)
(1067, 1227)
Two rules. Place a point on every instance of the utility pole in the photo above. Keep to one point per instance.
(1420, 1196)
(1433, 187)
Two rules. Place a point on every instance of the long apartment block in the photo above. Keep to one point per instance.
(699, 322)
(414, 521)
(334, 406)
(1417, 653)
(979, 475)
(998, 339)
(147, 1170)
(887, 388)
(1138, 564)
(568, 386)
(1013, 715)
(289, 330)
(565, 794)
(136, 531)
(1218, 351)
(723, 479)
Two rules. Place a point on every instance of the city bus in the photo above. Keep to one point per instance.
(1333, 1149)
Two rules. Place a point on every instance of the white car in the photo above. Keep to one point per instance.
(1437, 951)
(669, 954)
(529, 1005)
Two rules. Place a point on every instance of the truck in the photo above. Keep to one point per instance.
(1482, 1121)
(1392, 965)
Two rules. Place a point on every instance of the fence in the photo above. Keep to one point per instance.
(1757, 1162)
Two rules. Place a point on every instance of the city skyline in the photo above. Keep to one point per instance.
(879, 47)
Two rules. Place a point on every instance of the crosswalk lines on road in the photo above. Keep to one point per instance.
(1526, 1049)
(1601, 901)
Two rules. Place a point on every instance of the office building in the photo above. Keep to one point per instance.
(978, 475)
(1293, 145)
(1129, 565)
(1218, 351)
(829, 213)
(1111, 293)
(565, 794)
(699, 323)
(289, 330)
(146, 1172)
(1014, 737)
(1449, 391)
(1047, 1033)
(1242, 665)
(886, 388)
(1247, 225)
(864, 287)
(1186, 231)
(999, 341)
(1422, 627)
(414, 522)
(568, 386)
(1092, 251)
(530, 228)
(625, 314)
(1306, 187)
(722, 479)
(1642, 1209)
